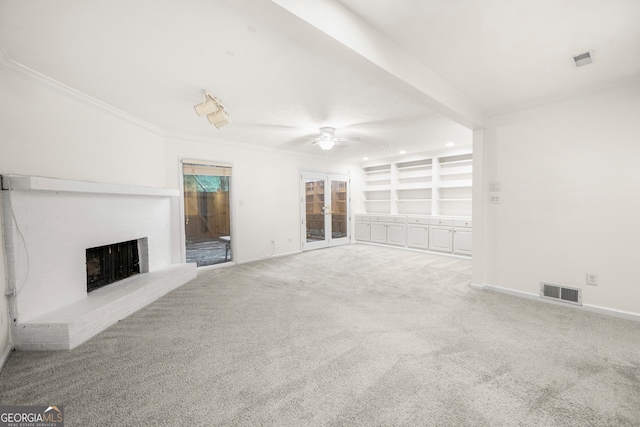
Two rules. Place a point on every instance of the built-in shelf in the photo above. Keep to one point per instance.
(427, 183)
(456, 183)
(414, 186)
(372, 189)
(38, 183)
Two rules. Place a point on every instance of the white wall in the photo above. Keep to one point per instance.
(46, 132)
(265, 192)
(570, 174)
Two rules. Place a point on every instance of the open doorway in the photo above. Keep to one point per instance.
(207, 216)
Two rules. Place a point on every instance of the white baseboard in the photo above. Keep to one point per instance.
(5, 356)
(407, 248)
(628, 315)
(269, 257)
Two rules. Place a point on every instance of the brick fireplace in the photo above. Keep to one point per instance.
(49, 224)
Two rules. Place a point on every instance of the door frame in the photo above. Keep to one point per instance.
(329, 240)
(180, 223)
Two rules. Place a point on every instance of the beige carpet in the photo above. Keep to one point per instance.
(350, 336)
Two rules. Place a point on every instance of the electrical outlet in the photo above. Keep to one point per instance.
(592, 279)
(495, 186)
(494, 199)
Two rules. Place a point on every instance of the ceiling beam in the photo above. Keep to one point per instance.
(330, 28)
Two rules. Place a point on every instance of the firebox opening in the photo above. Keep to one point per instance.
(110, 263)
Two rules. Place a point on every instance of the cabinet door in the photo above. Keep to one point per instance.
(462, 241)
(441, 239)
(395, 234)
(418, 236)
(378, 232)
(363, 231)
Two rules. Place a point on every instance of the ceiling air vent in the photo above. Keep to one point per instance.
(583, 59)
(561, 293)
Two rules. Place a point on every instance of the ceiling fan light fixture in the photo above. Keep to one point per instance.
(326, 143)
(327, 132)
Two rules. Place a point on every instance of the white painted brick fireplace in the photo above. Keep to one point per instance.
(49, 224)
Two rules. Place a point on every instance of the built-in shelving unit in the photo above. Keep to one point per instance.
(437, 183)
(414, 186)
(377, 190)
(455, 184)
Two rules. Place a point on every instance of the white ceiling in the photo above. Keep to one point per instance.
(504, 53)
(152, 59)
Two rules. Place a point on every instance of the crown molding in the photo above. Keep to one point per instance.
(587, 90)
(15, 68)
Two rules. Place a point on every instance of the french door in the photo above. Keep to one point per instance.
(325, 210)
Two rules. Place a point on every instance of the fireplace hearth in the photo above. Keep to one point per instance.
(111, 263)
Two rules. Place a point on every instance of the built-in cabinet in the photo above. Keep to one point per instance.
(379, 229)
(363, 228)
(435, 184)
(462, 236)
(388, 230)
(396, 226)
(418, 233)
(441, 234)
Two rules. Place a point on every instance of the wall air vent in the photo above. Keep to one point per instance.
(561, 293)
(583, 59)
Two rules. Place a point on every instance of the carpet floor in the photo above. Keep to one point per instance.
(354, 335)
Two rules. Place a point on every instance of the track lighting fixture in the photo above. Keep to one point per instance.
(214, 110)
(219, 118)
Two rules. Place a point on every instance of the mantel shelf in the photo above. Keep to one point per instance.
(38, 183)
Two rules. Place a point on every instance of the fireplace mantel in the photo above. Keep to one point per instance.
(38, 183)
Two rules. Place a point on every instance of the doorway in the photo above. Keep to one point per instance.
(325, 210)
(207, 219)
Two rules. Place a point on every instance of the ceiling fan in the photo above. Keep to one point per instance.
(327, 138)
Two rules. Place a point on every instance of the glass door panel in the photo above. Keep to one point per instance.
(315, 210)
(339, 211)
